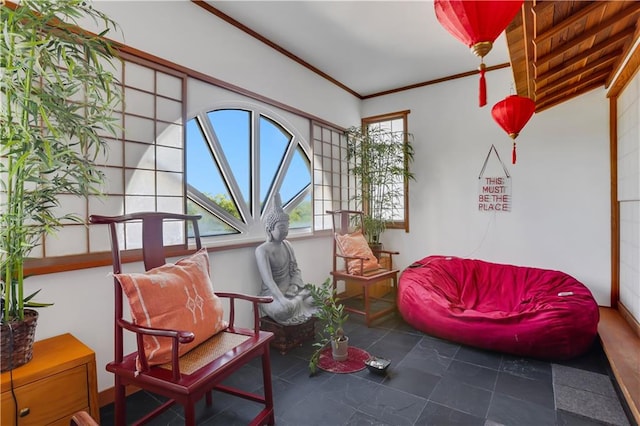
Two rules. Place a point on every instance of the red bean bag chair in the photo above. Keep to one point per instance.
(518, 310)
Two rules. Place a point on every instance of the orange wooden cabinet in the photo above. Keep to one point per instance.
(59, 380)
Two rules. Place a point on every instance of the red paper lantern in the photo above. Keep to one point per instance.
(512, 114)
(477, 24)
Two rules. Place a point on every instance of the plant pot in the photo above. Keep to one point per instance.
(375, 246)
(17, 340)
(340, 349)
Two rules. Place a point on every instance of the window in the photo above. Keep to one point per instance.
(333, 188)
(237, 160)
(396, 124)
(143, 166)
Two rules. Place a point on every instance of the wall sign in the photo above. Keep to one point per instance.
(494, 189)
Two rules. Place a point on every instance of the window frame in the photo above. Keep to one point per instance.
(334, 188)
(252, 229)
(404, 116)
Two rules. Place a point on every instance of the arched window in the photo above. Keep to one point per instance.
(237, 160)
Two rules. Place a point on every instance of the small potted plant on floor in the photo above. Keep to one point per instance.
(331, 316)
(58, 94)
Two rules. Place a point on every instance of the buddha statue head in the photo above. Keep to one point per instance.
(275, 216)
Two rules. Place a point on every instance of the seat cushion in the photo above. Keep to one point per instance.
(174, 296)
(355, 245)
(519, 310)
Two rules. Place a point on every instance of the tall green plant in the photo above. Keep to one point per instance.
(58, 96)
(379, 159)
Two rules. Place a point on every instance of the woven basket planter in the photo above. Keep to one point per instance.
(17, 340)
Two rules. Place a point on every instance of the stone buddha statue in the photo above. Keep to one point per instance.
(281, 277)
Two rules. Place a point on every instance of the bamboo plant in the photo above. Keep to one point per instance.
(58, 94)
(379, 160)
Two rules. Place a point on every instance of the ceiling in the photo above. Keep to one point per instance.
(557, 49)
(562, 49)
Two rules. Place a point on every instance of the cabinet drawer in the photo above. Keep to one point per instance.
(49, 399)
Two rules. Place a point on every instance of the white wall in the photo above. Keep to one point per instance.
(186, 34)
(560, 214)
(629, 195)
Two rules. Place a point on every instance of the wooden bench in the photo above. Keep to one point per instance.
(622, 347)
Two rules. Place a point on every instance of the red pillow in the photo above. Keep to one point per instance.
(175, 296)
(355, 245)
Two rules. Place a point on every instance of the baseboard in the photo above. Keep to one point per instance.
(108, 395)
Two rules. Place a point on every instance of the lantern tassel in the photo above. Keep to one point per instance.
(513, 154)
(482, 95)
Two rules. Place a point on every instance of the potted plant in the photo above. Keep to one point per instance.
(331, 316)
(379, 160)
(58, 94)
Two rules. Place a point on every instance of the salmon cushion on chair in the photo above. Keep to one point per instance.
(174, 296)
(356, 245)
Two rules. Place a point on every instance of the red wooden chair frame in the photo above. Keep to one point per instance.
(346, 222)
(181, 388)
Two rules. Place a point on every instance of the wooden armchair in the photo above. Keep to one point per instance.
(370, 271)
(183, 378)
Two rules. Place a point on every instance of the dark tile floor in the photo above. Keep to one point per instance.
(429, 382)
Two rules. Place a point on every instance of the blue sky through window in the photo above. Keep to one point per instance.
(273, 145)
(233, 131)
(293, 183)
(231, 127)
(202, 171)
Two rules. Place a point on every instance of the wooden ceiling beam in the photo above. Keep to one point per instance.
(619, 38)
(528, 28)
(561, 50)
(561, 84)
(570, 21)
(565, 97)
(632, 57)
(540, 17)
(548, 103)
(605, 60)
(540, 6)
(596, 79)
